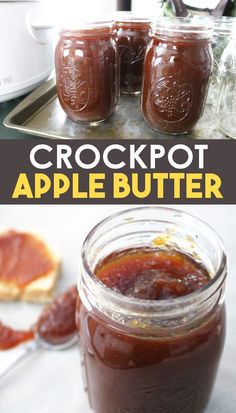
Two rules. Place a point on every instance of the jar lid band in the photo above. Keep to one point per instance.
(86, 22)
(130, 17)
(224, 24)
(183, 25)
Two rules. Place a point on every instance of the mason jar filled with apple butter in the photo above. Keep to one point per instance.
(151, 314)
(86, 62)
(177, 71)
(132, 39)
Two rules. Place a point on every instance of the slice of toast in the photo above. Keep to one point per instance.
(39, 277)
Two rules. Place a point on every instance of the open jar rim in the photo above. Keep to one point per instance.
(224, 24)
(88, 25)
(155, 308)
(184, 27)
(131, 17)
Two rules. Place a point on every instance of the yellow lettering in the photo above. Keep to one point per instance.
(193, 189)
(160, 177)
(22, 187)
(121, 187)
(212, 187)
(75, 190)
(147, 185)
(95, 186)
(61, 185)
(42, 185)
(177, 178)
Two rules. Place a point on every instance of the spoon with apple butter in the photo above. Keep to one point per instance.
(55, 330)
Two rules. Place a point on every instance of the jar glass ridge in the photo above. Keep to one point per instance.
(135, 324)
(223, 27)
(226, 105)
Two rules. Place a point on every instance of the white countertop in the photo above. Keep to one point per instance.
(51, 382)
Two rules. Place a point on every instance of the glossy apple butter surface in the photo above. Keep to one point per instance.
(56, 324)
(130, 373)
(86, 64)
(132, 38)
(176, 79)
(152, 275)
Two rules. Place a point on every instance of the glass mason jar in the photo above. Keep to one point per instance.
(177, 70)
(86, 61)
(132, 39)
(226, 107)
(151, 356)
(221, 36)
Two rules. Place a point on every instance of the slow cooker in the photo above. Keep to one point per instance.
(25, 46)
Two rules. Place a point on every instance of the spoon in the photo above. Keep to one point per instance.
(54, 330)
(26, 350)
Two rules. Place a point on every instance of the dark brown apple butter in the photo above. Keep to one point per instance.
(56, 324)
(177, 69)
(127, 372)
(86, 63)
(132, 38)
(152, 274)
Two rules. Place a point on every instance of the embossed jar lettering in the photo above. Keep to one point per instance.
(177, 69)
(86, 61)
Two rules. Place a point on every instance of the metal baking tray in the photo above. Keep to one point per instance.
(40, 114)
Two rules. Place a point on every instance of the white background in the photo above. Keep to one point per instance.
(51, 382)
